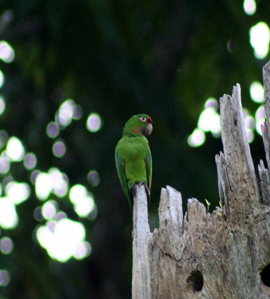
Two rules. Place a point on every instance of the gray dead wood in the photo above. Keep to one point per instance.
(224, 254)
(141, 236)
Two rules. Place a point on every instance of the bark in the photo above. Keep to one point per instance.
(223, 254)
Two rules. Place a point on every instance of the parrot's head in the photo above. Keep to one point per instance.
(139, 124)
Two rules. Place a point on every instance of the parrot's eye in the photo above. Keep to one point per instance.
(143, 119)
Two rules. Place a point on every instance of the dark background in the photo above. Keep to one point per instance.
(116, 58)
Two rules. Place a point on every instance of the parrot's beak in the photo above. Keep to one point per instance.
(148, 129)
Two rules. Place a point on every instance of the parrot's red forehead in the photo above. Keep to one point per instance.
(149, 120)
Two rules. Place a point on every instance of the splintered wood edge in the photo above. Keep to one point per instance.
(238, 160)
(196, 211)
(170, 209)
(233, 131)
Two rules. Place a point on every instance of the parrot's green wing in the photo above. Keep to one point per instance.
(148, 161)
(120, 166)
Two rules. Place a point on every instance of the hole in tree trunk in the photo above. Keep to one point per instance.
(265, 275)
(195, 281)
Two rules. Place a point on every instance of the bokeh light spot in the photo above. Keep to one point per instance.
(2, 105)
(76, 192)
(60, 182)
(93, 178)
(260, 119)
(77, 112)
(59, 149)
(3, 138)
(84, 206)
(249, 122)
(6, 245)
(4, 163)
(51, 225)
(211, 102)
(249, 7)
(93, 123)
(4, 278)
(49, 209)
(38, 215)
(259, 39)
(197, 138)
(17, 192)
(65, 114)
(2, 79)
(60, 215)
(6, 52)
(15, 150)
(43, 185)
(83, 250)
(52, 129)
(7, 179)
(61, 243)
(82, 200)
(34, 175)
(230, 46)
(250, 135)
(256, 91)
(8, 214)
(209, 121)
(93, 215)
(30, 161)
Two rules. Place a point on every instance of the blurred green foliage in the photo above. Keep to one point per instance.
(116, 58)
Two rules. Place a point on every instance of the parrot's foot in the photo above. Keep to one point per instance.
(133, 189)
(146, 189)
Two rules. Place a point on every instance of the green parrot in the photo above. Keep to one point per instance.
(133, 156)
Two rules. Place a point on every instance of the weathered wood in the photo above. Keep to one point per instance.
(265, 182)
(266, 126)
(219, 254)
(237, 156)
(141, 236)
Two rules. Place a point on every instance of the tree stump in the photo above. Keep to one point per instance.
(223, 254)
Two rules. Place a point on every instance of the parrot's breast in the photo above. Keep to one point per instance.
(133, 151)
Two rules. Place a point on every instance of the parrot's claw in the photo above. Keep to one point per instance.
(146, 188)
(133, 190)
